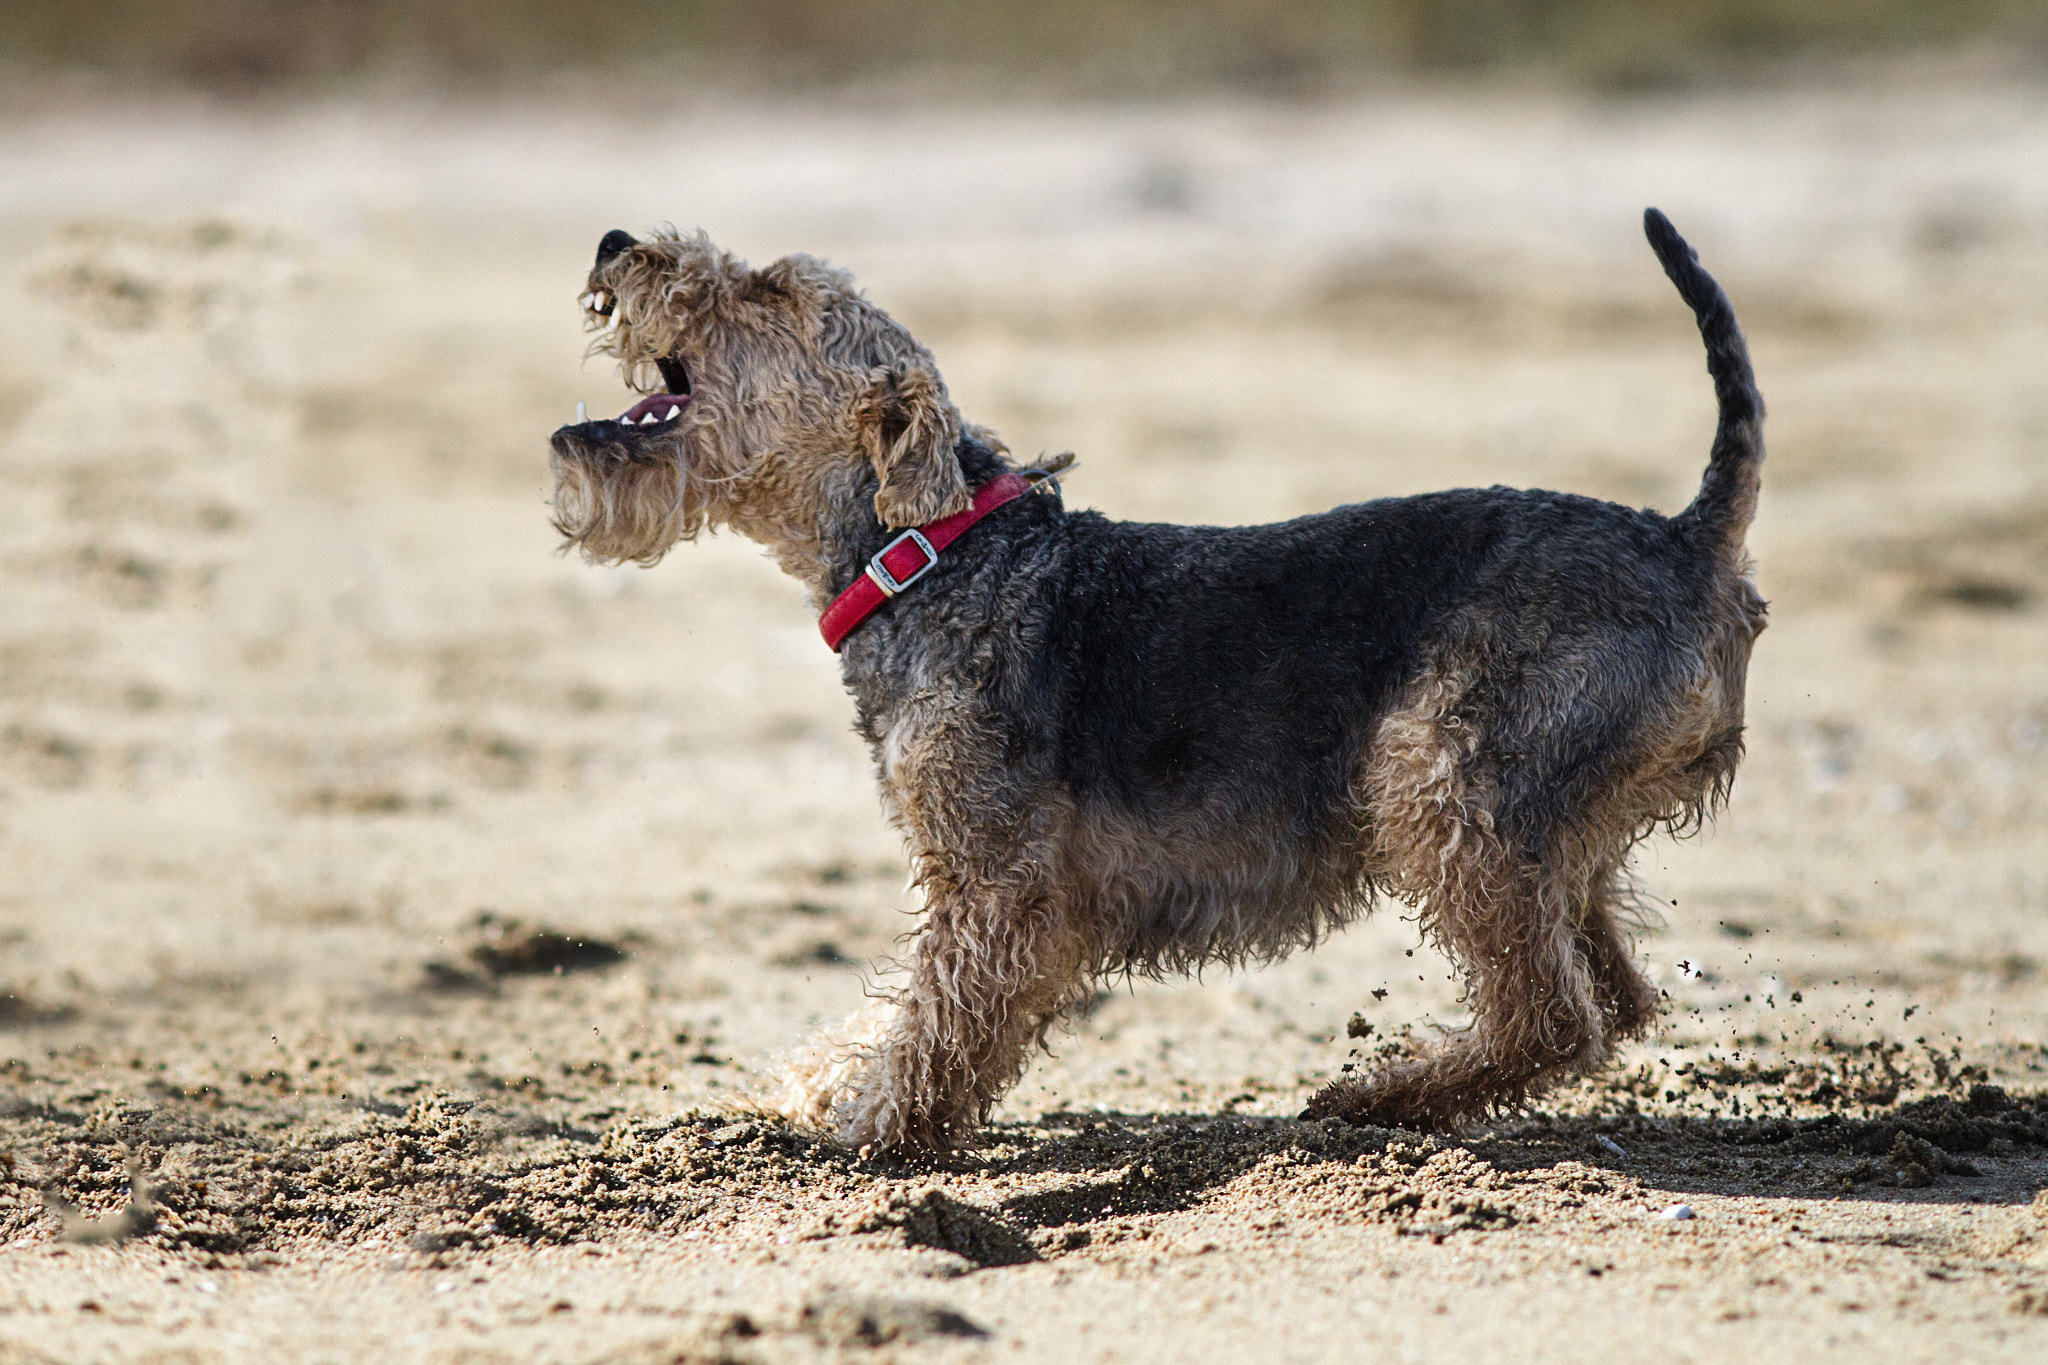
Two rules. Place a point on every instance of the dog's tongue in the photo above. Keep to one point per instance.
(655, 407)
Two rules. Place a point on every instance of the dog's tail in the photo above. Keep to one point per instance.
(1727, 496)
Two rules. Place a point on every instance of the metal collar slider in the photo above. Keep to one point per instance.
(889, 583)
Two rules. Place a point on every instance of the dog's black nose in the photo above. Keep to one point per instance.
(614, 242)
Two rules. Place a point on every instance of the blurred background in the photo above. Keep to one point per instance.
(296, 699)
(1119, 48)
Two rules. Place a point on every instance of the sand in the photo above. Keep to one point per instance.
(396, 916)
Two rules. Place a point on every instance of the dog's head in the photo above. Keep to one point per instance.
(780, 402)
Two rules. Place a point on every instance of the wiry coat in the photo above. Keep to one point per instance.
(1128, 747)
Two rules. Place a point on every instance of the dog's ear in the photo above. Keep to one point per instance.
(907, 429)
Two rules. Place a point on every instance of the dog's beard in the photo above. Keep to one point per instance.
(617, 508)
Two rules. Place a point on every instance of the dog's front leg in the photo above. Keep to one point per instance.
(996, 961)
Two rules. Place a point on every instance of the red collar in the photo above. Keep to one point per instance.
(909, 557)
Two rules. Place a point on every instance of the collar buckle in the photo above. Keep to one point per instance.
(888, 582)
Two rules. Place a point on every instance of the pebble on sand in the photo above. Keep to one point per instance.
(1678, 1213)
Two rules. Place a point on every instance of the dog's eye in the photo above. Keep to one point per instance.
(675, 375)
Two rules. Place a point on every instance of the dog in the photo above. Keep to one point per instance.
(1119, 748)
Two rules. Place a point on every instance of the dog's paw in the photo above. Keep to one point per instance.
(880, 1123)
(870, 1126)
(1333, 1101)
(1384, 1102)
(823, 1079)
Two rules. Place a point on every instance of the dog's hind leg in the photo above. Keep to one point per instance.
(1626, 997)
(1531, 983)
(1529, 920)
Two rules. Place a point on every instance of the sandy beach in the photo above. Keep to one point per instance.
(396, 917)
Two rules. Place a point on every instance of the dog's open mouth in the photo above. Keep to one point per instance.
(659, 409)
(656, 412)
(656, 409)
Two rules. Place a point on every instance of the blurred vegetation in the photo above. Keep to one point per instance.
(1106, 46)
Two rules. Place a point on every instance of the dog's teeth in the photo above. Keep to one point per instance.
(582, 413)
(670, 414)
(618, 316)
(649, 420)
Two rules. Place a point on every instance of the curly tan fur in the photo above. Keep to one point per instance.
(803, 391)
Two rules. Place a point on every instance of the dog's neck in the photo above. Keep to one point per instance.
(850, 534)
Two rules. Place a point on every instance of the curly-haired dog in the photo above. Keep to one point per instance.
(1115, 747)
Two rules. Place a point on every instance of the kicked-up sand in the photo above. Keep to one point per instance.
(396, 917)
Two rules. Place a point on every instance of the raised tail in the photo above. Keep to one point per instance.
(1727, 496)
